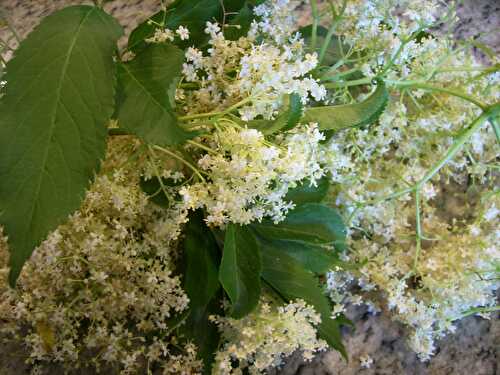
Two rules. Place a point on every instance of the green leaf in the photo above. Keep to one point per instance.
(192, 14)
(202, 261)
(312, 222)
(202, 286)
(292, 281)
(240, 270)
(243, 19)
(350, 115)
(145, 108)
(154, 189)
(53, 118)
(307, 193)
(335, 50)
(239, 25)
(286, 120)
(314, 258)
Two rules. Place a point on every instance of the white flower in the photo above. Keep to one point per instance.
(212, 29)
(182, 32)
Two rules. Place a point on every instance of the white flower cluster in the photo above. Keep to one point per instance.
(258, 72)
(277, 19)
(455, 270)
(249, 177)
(103, 282)
(262, 339)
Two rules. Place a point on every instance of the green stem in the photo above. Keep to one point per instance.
(203, 147)
(314, 32)
(429, 87)
(463, 137)
(182, 160)
(400, 50)
(339, 75)
(357, 82)
(336, 19)
(496, 128)
(418, 226)
(450, 69)
(117, 131)
(222, 113)
(163, 188)
(326, 42)
(478, 310)
(394, 195)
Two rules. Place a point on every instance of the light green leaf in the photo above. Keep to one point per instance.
(240, 270)
(145, 108)
(292, 281)
(350, 115)
(53, 117)
(312, 223)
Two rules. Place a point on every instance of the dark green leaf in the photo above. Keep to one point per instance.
(350, 115)
(286, 120)
(335, 50)
(240, 270)
(192, 14)
(155, 191)
(53, 117)
(202, 261)
(239, 25)
(201, 285)
(292, 281)
(144, 31)
(306, 193)
(145, 108)
(243, 19)
(312, 222)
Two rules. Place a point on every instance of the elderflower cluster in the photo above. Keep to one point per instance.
(262, 339)
(103, 282)
(455, 271)
(259, 73)
(249, 177)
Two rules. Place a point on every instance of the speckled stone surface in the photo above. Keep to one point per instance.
(475, 347)
(473, 350)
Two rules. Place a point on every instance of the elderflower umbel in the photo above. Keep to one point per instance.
(112, 265)
(250, 177)
(266, 336)
(261, 72)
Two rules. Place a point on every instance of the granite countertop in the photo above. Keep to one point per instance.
(475, 347)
